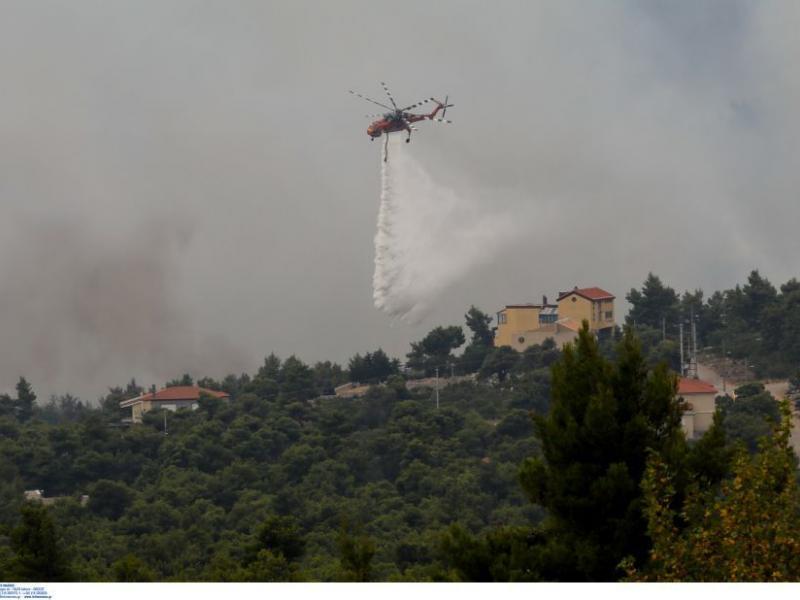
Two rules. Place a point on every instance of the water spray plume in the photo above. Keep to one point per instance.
(428, 236)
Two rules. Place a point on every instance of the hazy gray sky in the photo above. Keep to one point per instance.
(188, 185)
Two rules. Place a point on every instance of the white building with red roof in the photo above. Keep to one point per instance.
(700, 397)
(169, 398)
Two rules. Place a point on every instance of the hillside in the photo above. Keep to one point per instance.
(189, 504)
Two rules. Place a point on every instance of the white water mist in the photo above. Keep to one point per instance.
(429, 236)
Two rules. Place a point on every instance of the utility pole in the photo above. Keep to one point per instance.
(437, 388)
(165, 423)
(680, 331)
(724, 365)
(663, 328)
(694, 344)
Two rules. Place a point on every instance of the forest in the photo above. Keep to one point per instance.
(755, 323)
(547, 465)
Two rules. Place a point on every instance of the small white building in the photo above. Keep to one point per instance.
(700, 399)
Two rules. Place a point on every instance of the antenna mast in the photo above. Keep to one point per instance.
(693, 356)
(437, 388)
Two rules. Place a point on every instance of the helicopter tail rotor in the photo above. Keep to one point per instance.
(444, 105)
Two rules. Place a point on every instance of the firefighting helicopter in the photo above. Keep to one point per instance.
(399, 119)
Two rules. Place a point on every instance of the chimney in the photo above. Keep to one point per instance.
(544, 300)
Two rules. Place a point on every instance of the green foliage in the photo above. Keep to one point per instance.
(130, 568)
(62, 408)
(192, 505)
(372, 367)
(26, 401)
(327, 376)
(473, 357)
(297, 380)
(38, 553)
(478, 323)
(186, 379)
(709, 459)
(754, 323)
(109, 499)
(356, 554)
(604, 419)
(7, 408)
(281, 536)
(503, 554)
(744, 530)
(481, 342)
(435, 349)
(499, 363)
(271, 567)
(751, 416)
(654, 305)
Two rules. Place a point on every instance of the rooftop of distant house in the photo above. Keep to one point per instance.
(688, 385)
(544, 305)
(528, 305)
(176, 393)
(590, 293)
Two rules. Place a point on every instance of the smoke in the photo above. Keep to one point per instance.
(429, 236)
(83, 308)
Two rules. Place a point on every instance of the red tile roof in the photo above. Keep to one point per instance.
(694, 386)
(590, 293)
(181, 392)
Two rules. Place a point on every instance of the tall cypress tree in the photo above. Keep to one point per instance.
(605, 419)
(26, 400)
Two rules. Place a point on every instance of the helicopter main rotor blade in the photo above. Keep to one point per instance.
(369, 99)
(388, 93)
(420, 103)
(441, 120)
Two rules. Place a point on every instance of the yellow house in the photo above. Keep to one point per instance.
(592, 304)
(523, 325)
(515, 319)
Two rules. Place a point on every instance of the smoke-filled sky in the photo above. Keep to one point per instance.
(189, 186)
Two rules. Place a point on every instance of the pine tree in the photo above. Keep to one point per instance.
(656, 302)
(604, 419)
(26, 400)
(478, 322)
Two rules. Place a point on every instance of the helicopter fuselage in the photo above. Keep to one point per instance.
(392, 122)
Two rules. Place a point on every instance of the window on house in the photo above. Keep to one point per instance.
(609, 315)
(501, 318)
